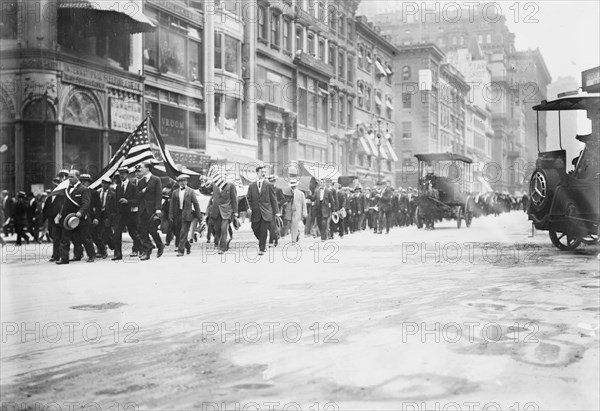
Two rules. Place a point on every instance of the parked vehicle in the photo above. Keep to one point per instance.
(567, 204)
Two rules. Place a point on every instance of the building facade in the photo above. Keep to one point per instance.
(71, 90)
(372, 146)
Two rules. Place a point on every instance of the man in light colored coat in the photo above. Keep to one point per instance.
(298, 210)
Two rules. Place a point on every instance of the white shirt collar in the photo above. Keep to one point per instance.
(147, 177)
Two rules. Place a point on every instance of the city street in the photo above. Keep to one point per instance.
(485, 317)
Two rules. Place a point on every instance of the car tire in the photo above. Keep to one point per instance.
(563, 242)
(541, 189)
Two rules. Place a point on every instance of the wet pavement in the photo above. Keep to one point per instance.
(484, 317)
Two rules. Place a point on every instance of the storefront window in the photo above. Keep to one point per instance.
(39, 164)
(82, 150)
(230, 122)
(197, 131)
(312, 104)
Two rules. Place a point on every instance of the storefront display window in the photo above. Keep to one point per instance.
(82, 149)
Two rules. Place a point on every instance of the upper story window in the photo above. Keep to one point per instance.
(322, 50)
(230, 6)
(287, 37)
(350, 68)
(321, 13)
(227, 53)
(311, 44)
(332, 17)
(8, 25)
(361, 94)
(275, 28)
(300, 38)
(350, 29)
(368, 61)
(488, 39)
(262, 23)
(341, 64)
(361, 52)
(406, 73)
(332, 55)
(342, 25)
(174, 47)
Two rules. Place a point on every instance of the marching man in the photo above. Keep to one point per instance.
(298, 208)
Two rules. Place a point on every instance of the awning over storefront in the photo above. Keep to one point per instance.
(320, 170)
(371, 140)
(365, 146)
(389, 104)
(377, 100)
(383, 151)
(110, 14)
(380, 69)
(390, 149)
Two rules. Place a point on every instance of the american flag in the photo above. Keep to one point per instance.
(221, 174)
(134, 150)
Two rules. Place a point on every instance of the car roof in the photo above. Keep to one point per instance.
(443, 157)
(579, 101)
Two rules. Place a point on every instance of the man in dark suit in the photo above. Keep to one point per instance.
(262, 200)
(150, 210)
(385, 207)
(127, 214)
(108, 209)
(183, 207)
(92, 225)
(342, 199)
(274, 232)
(52, 208)
(77, 201)
(224, 209)
(324, 204)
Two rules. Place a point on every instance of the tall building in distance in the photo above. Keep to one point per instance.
(509, 93)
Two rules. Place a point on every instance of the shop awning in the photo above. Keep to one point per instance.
(371, 140)
(388, 70)
(391, 150)
(320, 170)
(383, 151)
(365, 146)
(389, 104)
(377, 100)
(380, 69)
(110, 14)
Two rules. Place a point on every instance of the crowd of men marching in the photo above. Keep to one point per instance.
(94, 220)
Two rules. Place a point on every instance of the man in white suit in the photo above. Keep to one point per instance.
(298, 210)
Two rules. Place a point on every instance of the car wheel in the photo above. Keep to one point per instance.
(541, 186)
(459, 216)
(468, 218)
(563, 241)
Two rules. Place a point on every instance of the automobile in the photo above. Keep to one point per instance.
(566, 204)
(444, 181)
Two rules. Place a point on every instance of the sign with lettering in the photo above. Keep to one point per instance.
(125, 115)
(83, 76)
(173, 125)
(590, 80)
(187, 158)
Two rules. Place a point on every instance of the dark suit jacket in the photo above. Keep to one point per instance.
(224, 202)
(150, 199)
(325, 207)
(95, 205)
(130, 194)
(385, 202)
(52, 206)
(263, 203)
(191, 207)
(341, 200)
(77, 200)
(110, 208)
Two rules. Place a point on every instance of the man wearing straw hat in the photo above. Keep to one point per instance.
(77, 202)
(324, 205)
(150, 209)
(298, 209)
(183, 207)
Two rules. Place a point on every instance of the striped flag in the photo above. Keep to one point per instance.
(221, 174)
(136, 149)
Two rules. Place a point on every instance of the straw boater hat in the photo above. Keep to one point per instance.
(123, 170)
(71, 221)
(85, 177)
(294, 182)
(106, 179)
(272, 178)
(182, 177)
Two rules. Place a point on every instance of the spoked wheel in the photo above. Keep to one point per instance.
(563, 241)
(418, 218)
(468, 218)
(459, 216)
